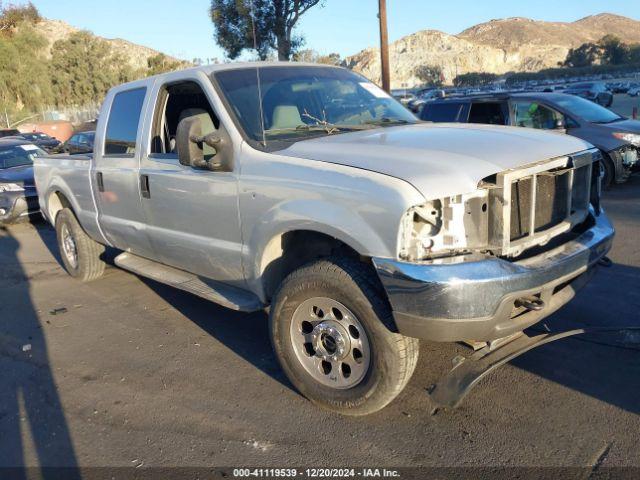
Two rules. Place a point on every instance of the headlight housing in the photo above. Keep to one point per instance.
(11, 187)
(444, 227)
(632, 138)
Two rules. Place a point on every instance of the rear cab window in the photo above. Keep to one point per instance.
(444, 112)
(124, 119)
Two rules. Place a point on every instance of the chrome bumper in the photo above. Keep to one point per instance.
(475, 297)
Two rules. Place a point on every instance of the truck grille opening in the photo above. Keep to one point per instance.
(532, 205)
(551, 203)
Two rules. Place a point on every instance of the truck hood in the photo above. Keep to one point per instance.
(438, 159)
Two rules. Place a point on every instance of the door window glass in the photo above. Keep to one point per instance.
(176, 102)
(487, 112)
(534, 115)
(124, 118)
(442, 112)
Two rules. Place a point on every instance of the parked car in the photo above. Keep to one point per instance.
(40, 139)
(8, 132)
(634, 91)
(18, 196)
(308, 189)
(80, 142)
(618, 138)
(595, 91)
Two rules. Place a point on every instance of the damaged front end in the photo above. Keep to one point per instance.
(509, 213)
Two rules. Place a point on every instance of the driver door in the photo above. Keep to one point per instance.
(192, 214)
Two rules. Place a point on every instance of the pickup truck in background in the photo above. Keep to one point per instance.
(308, 190)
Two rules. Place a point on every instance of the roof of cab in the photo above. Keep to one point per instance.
(209, 69)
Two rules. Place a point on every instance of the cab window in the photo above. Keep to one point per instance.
(124, 118)
(535, 115)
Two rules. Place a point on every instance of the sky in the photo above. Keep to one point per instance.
(183, 28)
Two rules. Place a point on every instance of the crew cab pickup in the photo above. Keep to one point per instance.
(308, 190)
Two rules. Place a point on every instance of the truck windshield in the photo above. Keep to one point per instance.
(18, 155)
(293, 103)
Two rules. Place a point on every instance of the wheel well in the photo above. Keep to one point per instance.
(289, 251)
(57, 201)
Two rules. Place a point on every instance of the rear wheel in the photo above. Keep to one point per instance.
(330, 331)
(80, 254)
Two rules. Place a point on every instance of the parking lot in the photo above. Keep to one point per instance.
(127, 372)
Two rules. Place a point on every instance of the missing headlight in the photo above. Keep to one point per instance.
(445, 227)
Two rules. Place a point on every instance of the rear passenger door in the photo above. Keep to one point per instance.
(115, 172)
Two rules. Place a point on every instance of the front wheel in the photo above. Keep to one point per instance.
(330, 329)
(609, 171)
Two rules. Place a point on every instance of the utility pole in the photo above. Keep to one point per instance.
(384, 45)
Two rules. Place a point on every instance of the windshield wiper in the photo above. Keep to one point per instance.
(329, 128)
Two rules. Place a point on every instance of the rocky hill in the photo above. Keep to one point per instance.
(498, 46)
(137, 55)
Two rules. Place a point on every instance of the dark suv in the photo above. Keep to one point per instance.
(618, 138)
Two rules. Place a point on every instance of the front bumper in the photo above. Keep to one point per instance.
(475, 297)
(14, 205)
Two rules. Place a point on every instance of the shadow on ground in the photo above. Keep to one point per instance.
(30, 407)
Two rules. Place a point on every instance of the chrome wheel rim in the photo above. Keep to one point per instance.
(69, 247)
(330, 343)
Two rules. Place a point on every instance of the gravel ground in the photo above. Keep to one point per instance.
(134, 373)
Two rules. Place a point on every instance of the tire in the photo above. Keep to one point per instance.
(353, 298)
(88, 264)
(609, 171)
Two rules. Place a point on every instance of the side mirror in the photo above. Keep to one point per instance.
(198, 149)
(561, 124)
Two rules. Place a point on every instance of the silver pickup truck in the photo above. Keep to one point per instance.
(308, 190)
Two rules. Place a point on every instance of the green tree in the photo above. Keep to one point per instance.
(311, 56)
(585, 55)
(614, 52)
(83, 67)
(634, 54)
(430, 75)
(263, 25)
(24, 79)
(11, 16)
(160, 63)
(474, 79)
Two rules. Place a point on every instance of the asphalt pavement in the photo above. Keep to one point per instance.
(127, 372)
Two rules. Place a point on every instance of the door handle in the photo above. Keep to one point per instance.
(144, 186)
(100, 181)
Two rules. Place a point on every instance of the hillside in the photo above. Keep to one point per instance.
(137, 55)
(497, 46)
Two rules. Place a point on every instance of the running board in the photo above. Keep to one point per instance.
(225, 295)
(468, 371)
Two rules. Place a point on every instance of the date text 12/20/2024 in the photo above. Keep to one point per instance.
(315, 473)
